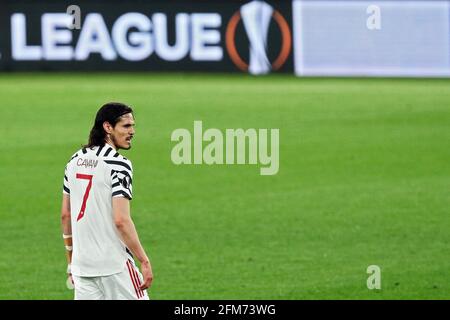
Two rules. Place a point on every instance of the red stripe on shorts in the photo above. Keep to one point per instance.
(130, 268)
(138, 281)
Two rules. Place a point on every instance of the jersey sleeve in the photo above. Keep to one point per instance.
(122, 180)
(66, 189)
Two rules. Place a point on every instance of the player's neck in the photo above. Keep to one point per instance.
(108, 141)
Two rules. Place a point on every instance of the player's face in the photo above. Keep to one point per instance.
(123, 132)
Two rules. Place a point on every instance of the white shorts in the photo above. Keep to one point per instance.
(120, 286)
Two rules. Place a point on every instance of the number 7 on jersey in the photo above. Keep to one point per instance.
(86, 193)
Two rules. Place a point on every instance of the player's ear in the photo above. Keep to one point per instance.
(107, 127)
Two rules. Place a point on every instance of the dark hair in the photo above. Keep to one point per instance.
(110, 112)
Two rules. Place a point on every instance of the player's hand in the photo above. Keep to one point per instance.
(147, 274)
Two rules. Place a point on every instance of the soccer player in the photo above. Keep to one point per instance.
(99, 234)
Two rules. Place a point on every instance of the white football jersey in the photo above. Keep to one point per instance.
(92, 178)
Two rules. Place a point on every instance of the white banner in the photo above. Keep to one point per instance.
(371, 38)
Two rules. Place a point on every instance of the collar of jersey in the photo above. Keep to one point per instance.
(106, 143)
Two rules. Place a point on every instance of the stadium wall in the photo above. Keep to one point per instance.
(308, 38)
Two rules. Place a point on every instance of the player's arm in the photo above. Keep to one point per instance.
(128, 233)
(66, 227)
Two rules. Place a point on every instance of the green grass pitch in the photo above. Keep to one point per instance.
(364, 180)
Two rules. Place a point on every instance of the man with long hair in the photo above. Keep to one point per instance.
(99, 234)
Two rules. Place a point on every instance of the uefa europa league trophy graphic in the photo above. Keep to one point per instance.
(256, 16)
